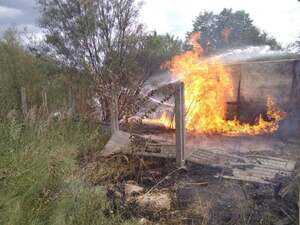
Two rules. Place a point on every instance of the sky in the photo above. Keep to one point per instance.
(279, 18)
(19, 14)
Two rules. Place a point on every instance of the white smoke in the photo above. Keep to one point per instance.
(253, 53)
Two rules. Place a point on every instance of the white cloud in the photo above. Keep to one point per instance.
(6, 12)
(279, 18)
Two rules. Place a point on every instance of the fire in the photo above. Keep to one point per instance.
(207, 86)
(164, 121)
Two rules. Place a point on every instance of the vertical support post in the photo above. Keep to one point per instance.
(114, 115)
(294, 94)
(24, 102)
(180, 124)
(239, 93)
(71, 100)
(44, 100)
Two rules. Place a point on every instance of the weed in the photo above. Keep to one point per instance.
(39, 179)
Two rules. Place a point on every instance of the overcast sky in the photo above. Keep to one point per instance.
(19, 14)
(280, 18)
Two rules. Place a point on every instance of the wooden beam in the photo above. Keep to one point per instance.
(180, 124)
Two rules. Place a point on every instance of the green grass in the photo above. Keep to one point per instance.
(40, 179)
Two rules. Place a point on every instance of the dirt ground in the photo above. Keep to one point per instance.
(198, 197)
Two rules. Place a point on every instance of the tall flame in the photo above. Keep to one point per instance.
(207, 86)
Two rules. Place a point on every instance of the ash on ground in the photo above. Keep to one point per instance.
(163, 194)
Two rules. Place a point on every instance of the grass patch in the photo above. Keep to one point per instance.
(40, 181)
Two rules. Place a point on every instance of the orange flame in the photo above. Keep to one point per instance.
(164, 121)
(207, 86)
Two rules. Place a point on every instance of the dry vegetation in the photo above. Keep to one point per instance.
(40, 179)
(51, 171)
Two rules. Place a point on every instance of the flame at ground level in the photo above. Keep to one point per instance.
(164, 120)
(207, 88)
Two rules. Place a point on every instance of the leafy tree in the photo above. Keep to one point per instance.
(156, 50)
(295, 46)
(17, 69)
(21, 67)
(229, 29)
(104, 38)
(100, 37)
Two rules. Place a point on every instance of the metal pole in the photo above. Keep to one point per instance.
(180, 124)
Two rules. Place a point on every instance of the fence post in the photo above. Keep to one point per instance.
(71, 101)
(238, 110)
(24, 101)
(114, 115)
(44, 100)
(180, 124)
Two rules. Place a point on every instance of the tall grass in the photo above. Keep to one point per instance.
(40, 179)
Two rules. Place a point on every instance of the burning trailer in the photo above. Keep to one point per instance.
(241, 157)
(219, 112)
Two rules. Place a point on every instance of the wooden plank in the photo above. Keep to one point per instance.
(156, 155)
(260, 169)
(119, 142)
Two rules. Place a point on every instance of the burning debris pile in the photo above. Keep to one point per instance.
(225, 179)
(207, 87)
